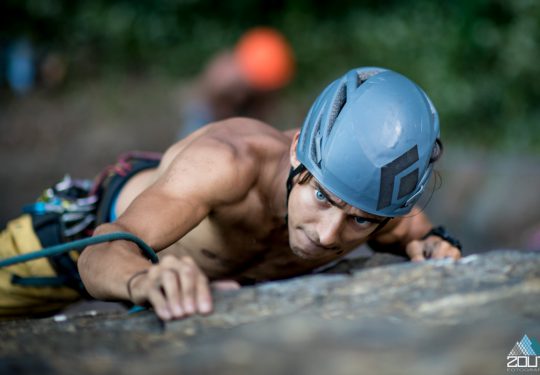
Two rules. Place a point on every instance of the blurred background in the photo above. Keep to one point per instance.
(82, 81)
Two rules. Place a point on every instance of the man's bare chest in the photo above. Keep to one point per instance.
(242, 252)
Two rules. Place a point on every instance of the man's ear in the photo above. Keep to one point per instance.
(292, 151)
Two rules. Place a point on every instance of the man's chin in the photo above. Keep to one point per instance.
(305, 254)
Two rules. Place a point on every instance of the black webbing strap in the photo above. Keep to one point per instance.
(293, 172)
(113, 184)
(381, 225)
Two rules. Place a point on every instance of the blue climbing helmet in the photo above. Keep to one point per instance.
(369, 139)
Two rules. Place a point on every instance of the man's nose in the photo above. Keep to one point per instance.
(329, 229)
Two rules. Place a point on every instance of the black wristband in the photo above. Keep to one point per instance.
(441, 232)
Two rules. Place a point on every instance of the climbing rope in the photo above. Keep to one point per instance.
(81, 244)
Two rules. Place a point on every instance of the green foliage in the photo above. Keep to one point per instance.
(478, 59)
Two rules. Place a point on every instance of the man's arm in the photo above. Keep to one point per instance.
(405, 236)
(205, 175)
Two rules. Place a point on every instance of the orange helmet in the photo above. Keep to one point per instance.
(265, 58)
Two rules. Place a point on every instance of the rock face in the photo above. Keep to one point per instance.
(436, 317)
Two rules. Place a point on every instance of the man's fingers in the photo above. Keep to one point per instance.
(438, 249)
(178, 288)
(415, 251)
(431, 249)
(170, 285)
(226, 285)
(443, 249)
(454, 253)
(156, 298)
(188, 279)
(204, 297)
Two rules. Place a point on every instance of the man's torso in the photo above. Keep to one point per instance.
(243, 240)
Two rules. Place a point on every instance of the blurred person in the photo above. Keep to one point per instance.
(20, 69)
(239, 202)
(239, 82)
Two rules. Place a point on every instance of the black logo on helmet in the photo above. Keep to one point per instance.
(407, 184)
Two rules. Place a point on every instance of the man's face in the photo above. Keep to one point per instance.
(323, 226)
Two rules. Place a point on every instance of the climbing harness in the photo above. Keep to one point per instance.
(62, 250)
(70, 202)
(65, 215)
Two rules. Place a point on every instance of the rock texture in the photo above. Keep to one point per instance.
(437, 317)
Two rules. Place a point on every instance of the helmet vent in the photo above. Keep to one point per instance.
(316, 144)
(337, 105)
(365, 75)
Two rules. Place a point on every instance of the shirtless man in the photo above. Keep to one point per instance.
(241, 201)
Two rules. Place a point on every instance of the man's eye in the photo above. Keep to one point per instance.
(320, 196)
(358, 220)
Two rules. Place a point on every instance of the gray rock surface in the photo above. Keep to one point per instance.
(361, 316)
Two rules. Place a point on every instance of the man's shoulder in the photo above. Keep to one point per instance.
(247, 126)
(248, 135)
(239, 143)
(230, 144)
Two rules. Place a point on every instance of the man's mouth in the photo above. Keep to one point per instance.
(311, 249)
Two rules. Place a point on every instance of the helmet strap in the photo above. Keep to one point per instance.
(293, 172)
(381, 225)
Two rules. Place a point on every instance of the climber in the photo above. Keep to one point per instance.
(241, 81)
(239, 202)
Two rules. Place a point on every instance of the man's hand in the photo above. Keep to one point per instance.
(176, 288)
(433, 247)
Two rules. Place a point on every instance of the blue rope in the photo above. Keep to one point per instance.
(81, 244)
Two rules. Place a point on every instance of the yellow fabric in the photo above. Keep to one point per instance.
(15, 300)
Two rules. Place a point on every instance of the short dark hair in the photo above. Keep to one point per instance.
(437, 151)
(304, 177)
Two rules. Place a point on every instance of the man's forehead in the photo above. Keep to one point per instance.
(344, 205)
